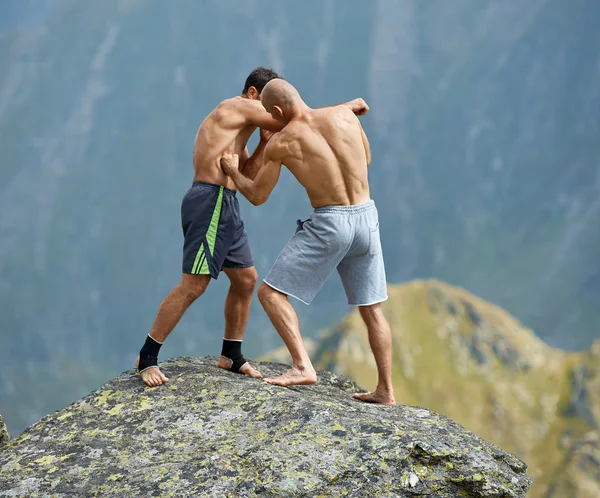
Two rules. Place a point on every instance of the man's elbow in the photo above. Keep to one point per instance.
(258, 200)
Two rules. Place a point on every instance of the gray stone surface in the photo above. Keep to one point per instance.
(212, 433)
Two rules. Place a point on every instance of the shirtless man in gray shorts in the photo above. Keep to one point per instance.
(328, 153)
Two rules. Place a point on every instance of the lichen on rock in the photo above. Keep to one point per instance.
(213, 433)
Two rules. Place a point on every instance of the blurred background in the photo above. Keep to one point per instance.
(484, 126)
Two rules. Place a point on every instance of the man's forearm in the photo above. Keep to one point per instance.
(357, 106)
(254, 162)
(244, 185)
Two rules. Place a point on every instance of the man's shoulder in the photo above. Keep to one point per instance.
(229, 103)
(327, 114)
(279, 143)
(339, 110)
(240, 103)
(231, 110)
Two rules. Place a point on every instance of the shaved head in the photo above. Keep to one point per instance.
(280, 94)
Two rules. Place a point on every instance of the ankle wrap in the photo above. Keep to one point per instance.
(232, 350)
(149, 354)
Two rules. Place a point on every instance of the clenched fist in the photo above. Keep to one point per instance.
(359, 107)
(230, 163)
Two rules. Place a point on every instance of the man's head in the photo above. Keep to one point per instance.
(280, 99)
(256, 81)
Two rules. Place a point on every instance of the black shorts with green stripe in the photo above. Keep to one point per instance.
(213, 231)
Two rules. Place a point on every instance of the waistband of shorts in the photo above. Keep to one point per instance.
(357, 208)
(214, 186)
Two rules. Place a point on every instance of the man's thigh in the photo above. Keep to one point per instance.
(306, 262)
(363, 275)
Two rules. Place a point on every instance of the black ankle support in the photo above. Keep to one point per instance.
(232, 350)
(149, 354)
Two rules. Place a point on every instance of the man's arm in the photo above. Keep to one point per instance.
(251, 166)
(253, 113)
(366, 145)
(244, 157)
(357, 106)
(259, 190)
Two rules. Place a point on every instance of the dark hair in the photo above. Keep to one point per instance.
(259, 78)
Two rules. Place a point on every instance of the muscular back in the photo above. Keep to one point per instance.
(326, 150)
(226, 130)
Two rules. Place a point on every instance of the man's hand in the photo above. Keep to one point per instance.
(359, 107)
(265, 135)
(230, 163)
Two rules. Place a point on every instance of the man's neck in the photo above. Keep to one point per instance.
(298, 111)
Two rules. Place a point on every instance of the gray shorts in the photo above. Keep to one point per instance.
(342, 237)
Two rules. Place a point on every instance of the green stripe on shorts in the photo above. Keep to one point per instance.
(200, 263)
(200, 256)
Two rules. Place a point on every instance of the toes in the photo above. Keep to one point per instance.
(374, 397)
(153, 377)
(366, 397)
(280, 382)
(251, 372)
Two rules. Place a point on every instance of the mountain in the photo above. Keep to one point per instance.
(463, 357)
(214, 433)
(484, 128)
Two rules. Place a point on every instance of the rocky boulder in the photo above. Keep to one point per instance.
(470, 360)
(212, 433)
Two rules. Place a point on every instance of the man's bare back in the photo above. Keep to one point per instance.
(325, 151)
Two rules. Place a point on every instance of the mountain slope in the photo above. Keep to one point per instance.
(469, 360)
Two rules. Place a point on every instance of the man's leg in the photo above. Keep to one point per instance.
(380, 339)
(284, 319)
(237, 308)
(170, 312)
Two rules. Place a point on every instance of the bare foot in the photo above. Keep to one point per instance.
(226, 363)
(294, 377)
(376, 397)
(152, 376)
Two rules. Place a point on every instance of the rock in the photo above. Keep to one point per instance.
(4, 435)
(470, 360)
(213, 433)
